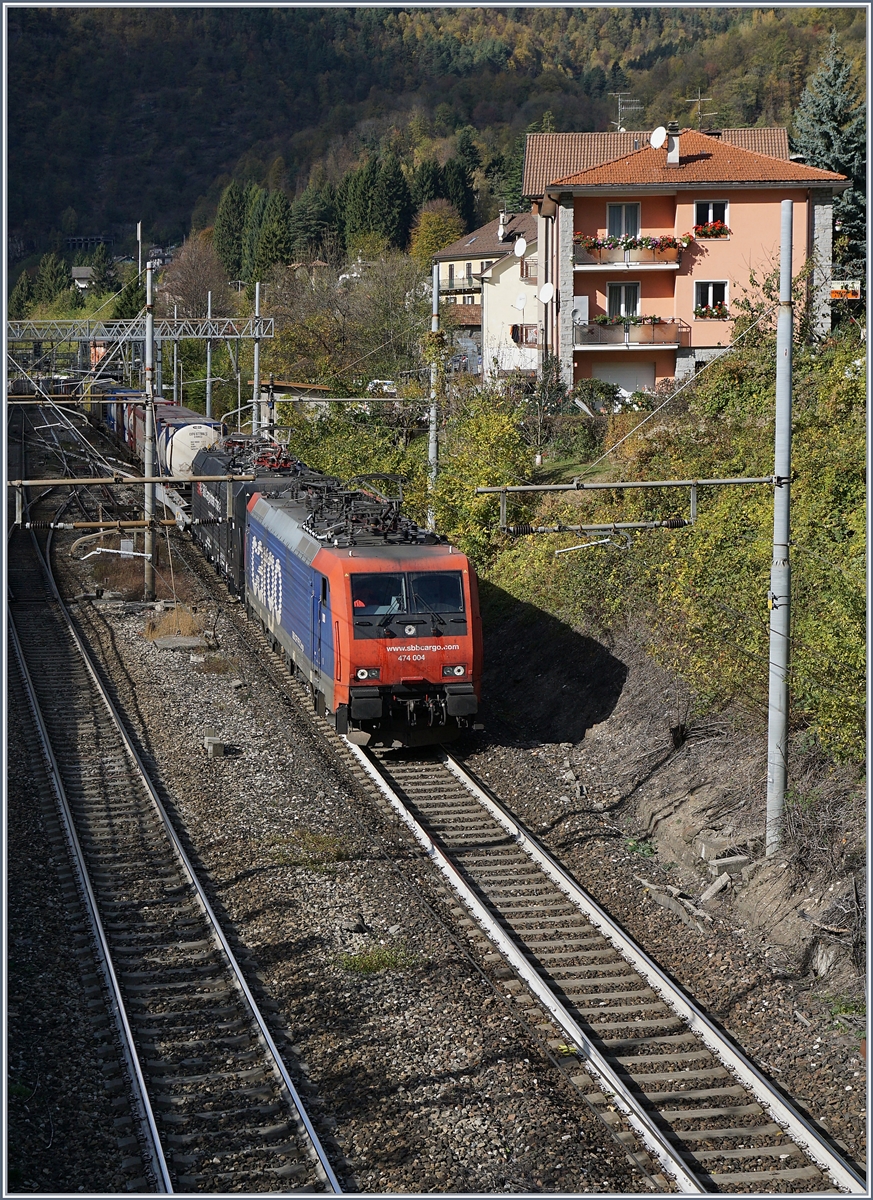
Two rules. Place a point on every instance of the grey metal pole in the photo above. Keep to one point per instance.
(159, 366)
(149, 463)
(256, 393)
(780, 572)
(432, 443)
(209, 358)
(175, 359)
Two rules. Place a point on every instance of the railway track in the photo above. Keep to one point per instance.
(215, 1105)
(658, 1070)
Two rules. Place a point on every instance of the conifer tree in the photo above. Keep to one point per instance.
(467, 150)
(391, 204)
(256, 202)
(359, 189)
(313, 215)
(427, 183)
(103, 274)
(458, 190)
(131, 300)
(276, 240)
(52, 278)
(22, 298)
(830, 131)
(227, 237)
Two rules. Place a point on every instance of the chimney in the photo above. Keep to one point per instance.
(501, 228)
(673, 144)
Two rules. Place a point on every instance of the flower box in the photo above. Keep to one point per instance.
(712, 229)
(712, 312)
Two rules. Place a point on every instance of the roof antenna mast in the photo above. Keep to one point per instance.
(700, 100)
(624, 106)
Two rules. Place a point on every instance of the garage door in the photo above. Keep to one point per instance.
(629, 377)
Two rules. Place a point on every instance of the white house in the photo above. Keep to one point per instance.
(479, 278)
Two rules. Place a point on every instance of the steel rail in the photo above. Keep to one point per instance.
(801, 1130)
(745, 1070)
(323, 1169)
(148, 1123)
(633, 1111)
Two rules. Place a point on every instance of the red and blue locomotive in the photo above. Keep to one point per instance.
(380, 617)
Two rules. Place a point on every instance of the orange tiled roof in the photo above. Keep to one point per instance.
(483, 242)
(702, 160)
(551, 156)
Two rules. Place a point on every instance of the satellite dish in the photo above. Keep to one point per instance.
(659, 136)
(520, 301)
(520, 247)
(546, 292)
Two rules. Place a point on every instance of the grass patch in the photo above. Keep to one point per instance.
(124, 577)
(215, 664)
(180, 620)
(18, 1089)
(303, 848)
(644, 849)
(379, 958)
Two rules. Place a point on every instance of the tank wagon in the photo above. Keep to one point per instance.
(378, 616)
(180, 433)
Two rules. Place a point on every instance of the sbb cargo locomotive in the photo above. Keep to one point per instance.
(380, 617)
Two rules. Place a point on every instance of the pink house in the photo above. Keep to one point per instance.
(649, 252)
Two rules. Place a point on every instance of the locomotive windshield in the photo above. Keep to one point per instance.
(376, 595)
(436, 591)
(432, 599)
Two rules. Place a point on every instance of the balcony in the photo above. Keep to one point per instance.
(460, 283)
(667, 332)
(529, 269)
(605, 256)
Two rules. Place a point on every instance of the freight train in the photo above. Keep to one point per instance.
(378, 616)
(179, 432)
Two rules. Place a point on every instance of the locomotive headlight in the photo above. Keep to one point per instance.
(454, 670)
(367, 673)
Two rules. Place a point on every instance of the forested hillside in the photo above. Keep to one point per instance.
(122, 114)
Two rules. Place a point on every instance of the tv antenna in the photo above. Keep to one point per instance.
(624, 106)
(700, 100)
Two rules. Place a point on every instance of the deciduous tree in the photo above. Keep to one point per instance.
(436, 226)
(186, 283)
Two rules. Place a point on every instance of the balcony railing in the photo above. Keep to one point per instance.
(665, 332)
(461, 283)
(603, 255)
(529, 268)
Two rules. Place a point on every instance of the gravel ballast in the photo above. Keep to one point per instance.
(418, 1074)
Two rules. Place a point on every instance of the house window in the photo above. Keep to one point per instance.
(707, 211)
(707, 295)
(623, 299)
(469, 272)
(524, 335)
(451, 274)
(711, 299)
(469, 299)
(483, 266)
(623, 220)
